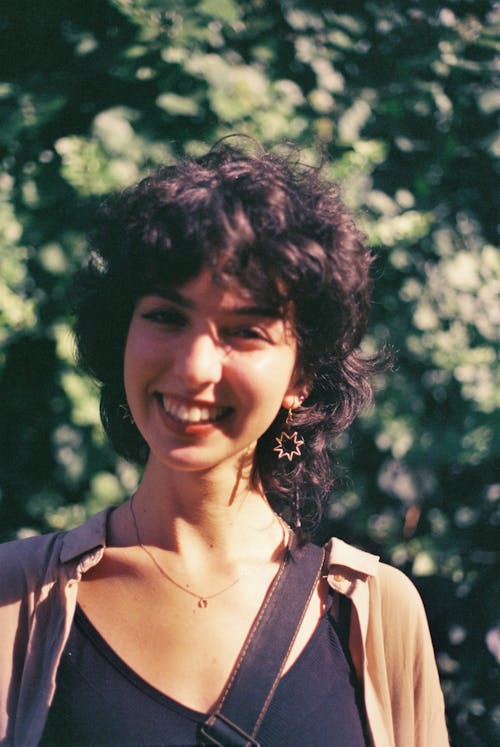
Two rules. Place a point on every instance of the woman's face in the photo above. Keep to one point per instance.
(206, 371)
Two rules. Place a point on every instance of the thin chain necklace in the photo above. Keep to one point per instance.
(202, 600)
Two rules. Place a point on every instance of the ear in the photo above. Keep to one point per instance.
(298, 390)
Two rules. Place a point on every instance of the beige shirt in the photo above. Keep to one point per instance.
(389, 637)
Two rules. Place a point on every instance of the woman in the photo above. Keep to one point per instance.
(222, 312)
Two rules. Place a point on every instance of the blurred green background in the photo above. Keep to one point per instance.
(401, 98)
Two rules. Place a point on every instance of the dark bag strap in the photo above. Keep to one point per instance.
(344, 621)
(255, 676)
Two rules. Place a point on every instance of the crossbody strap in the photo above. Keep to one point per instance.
(255, 676)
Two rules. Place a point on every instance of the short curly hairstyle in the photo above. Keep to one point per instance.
(281, 230)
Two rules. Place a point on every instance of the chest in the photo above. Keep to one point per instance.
(182, 649)
(99, 699)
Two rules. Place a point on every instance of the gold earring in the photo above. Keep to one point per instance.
(289, 443)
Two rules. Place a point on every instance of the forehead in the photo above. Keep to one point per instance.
(220, 291)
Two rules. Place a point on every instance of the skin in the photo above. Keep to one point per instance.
(206, 348)
(199, 347)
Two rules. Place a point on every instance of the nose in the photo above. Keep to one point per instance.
(199, 361)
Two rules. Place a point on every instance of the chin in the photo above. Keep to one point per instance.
(191, 459)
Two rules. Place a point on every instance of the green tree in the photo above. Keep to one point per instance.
(400, 98)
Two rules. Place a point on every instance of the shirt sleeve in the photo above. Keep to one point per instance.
(415, 698)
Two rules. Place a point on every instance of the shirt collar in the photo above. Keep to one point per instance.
(339, 553)
(85, 538)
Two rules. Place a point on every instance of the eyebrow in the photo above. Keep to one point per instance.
(267, 311)
(171, 294)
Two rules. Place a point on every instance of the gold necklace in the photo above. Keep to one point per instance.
(202, 600)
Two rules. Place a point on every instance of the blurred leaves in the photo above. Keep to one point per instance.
(402, 99)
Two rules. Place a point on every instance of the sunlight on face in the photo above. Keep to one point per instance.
(206, 371)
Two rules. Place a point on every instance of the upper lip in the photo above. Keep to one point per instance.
(187, 401)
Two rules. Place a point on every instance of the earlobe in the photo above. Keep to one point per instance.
(300, 389)
(292, 401)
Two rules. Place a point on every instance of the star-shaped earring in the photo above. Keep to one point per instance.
(288, 445)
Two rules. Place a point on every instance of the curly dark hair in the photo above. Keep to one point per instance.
(280, 229)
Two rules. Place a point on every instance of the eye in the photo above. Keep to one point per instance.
(166, 316)
(248, 333)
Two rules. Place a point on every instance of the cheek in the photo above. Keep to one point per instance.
(282, 366)
(270, 378)
(137, 358)
(142, 348)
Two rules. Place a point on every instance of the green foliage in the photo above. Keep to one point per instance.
(401, 98)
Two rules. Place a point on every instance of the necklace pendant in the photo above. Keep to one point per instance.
(202, 603)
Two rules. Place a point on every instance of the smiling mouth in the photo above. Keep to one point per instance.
(193, 414)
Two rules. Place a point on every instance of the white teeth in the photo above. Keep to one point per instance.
(182, 413)
(195, 415)
(185, 414)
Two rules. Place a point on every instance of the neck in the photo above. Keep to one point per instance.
(217, 515)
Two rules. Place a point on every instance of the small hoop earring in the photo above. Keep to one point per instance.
(289, 443)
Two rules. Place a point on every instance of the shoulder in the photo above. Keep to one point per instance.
(397, 611)
(31, 563)
(384, 592)
(391, 644)
(397, 590)
(386, 582)
(27, 563)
